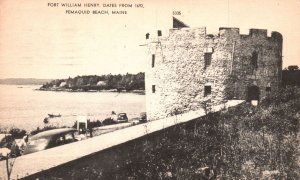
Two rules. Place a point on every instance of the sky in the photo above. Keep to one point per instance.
(40, 41)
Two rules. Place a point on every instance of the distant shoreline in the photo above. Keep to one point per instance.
(24, 81)
(142, 92)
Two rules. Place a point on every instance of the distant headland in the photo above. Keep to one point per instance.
(92, 83)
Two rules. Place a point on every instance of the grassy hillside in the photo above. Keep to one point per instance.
(243, 142)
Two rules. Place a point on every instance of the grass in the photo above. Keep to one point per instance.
(242, 142)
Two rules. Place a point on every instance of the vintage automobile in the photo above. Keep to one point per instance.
(143, 117)
(49, 139)
(122, 117)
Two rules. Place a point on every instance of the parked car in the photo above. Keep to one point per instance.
(122, 117)
(143, 117)
(49, 139)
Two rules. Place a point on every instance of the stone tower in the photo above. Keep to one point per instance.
(190, 67)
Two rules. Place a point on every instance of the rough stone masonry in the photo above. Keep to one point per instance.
(190, 68)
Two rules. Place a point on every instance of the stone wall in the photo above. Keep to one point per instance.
(177, 75)
(269, 62)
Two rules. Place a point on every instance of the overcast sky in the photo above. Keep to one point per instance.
(38, 41)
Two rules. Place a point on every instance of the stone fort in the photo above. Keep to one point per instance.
(190, 67)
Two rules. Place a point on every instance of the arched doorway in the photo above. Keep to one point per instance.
(253, 93)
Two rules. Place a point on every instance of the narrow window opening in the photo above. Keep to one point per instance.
(235, 90)
(268, 88)
(254, 60)
(207, 59)
(153, 60)
(147, 36)
(253, 93)
(207, 90)
(153, 89)
(159, 32)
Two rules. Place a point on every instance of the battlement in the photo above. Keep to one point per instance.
(258, 33)
(229, 32)
(276, 36)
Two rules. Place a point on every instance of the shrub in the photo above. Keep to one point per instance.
(17, 133)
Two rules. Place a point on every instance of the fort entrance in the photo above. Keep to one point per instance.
(253, 93)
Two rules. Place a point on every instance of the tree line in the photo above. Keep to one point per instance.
(119, 82)
(291, 76)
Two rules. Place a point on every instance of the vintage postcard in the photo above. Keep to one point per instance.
(141, 89)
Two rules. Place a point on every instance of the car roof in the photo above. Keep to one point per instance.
(52, 132)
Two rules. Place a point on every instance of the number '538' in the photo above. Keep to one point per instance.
(176, 12)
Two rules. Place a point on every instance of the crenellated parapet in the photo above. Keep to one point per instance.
(229, 32)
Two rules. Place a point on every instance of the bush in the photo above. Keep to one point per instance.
(108, 121)
(17, 133)
(93, 124)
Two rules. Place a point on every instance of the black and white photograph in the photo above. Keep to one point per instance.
(148, 89)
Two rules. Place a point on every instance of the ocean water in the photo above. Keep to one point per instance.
(24, 107)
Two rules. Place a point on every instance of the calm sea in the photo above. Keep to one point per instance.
(25, 108)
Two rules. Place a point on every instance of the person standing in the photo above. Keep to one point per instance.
(91, 131)
(114, 116)
(90, 128)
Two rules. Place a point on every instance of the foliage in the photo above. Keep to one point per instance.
(17, 133)
(93, 124)
(108, 121)
(291, 76)
(126, 82)
(293, 68)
